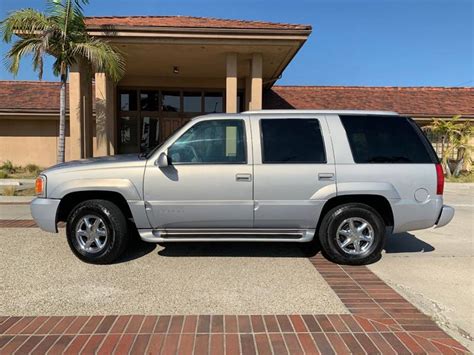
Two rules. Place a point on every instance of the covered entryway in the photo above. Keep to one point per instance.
(173, 73)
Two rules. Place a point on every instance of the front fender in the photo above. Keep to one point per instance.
(122, 186)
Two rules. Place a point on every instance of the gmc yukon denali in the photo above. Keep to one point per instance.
(344, 178)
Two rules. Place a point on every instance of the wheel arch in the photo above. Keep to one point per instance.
(72, 199)
(377, 202)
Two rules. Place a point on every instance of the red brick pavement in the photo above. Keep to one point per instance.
(380, 321)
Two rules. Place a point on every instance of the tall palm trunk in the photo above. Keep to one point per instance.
(62, 120)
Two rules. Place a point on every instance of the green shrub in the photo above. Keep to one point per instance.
(3, 174)
(8, 166)
(33, 169)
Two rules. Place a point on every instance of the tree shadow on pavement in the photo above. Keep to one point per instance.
(239, 249)
(406, 243)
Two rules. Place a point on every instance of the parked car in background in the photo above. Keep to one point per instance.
(345, 178)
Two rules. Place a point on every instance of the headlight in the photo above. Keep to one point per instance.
(40, 186)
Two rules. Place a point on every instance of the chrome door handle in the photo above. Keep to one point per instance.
(326, 176)
(243, 177)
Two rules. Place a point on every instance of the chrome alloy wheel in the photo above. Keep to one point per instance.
(91, 233)
(355, 236)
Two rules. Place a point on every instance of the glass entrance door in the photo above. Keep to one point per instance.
(150, 132)
(147, 117)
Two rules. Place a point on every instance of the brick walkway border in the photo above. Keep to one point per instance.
(381, 321)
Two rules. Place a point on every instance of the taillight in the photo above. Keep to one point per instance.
(439, 179)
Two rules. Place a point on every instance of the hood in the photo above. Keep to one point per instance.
(99, 163)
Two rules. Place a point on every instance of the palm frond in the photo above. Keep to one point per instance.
(102, 56)
(32, 45)
(26, 21)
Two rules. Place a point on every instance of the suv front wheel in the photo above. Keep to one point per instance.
(97, 231)
(353, 234)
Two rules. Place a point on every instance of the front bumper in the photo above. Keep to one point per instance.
(44, 211)
(446, 215)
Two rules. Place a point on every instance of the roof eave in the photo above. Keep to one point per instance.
(204, 30)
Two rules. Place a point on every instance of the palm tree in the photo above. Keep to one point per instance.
(455, 136)
(60, 32)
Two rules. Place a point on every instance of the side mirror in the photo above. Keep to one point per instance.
(162, 161)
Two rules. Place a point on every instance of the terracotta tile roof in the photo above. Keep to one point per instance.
(29, 95)
(415, 101)
(190, 22)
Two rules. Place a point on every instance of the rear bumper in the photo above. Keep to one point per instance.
(44, 211)
(446, 215)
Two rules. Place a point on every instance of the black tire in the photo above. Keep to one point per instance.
(113, 220)
(335, 217)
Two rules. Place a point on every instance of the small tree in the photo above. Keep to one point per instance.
(60, 32)
(455, 135)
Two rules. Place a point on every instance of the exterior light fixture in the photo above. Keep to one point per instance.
(175, 70)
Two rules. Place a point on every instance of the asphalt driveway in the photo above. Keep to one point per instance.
(41, 276)
(434, 268)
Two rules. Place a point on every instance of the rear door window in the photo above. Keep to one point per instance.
(386, 139)
(292, 141)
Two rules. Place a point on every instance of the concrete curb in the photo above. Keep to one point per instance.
(15, 199)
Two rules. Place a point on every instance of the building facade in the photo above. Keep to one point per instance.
(177, 68)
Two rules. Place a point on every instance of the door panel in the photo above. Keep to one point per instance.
(291, 184)
(193, 196)
(198, 189)
(287, 196)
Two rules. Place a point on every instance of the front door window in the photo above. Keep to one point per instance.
(210, 142)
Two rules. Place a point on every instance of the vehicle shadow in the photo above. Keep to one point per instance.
(136, 249)
(406, 243)
(397, 243)
(239, 249)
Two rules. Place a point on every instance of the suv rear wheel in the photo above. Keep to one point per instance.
(352, 234)
(97, 231)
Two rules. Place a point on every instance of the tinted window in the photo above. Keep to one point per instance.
(192, 102)
(149, 100)
(170, 101)
(385, 139)
(292, 141)
(128, 134)
(128, 100)
(219, 141)
(213, 102)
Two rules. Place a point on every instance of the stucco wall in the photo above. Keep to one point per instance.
(25, 140)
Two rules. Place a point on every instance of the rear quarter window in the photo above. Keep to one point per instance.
(387, 139)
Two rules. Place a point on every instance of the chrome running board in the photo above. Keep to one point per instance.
(226, 235)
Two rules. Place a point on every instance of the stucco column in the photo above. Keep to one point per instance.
(256, 82)
(80, 112)
(231, 83)
(104, 115)
(248, 85)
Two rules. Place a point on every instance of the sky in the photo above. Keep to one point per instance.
(354, 42)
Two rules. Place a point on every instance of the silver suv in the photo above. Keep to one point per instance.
(342, 178)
